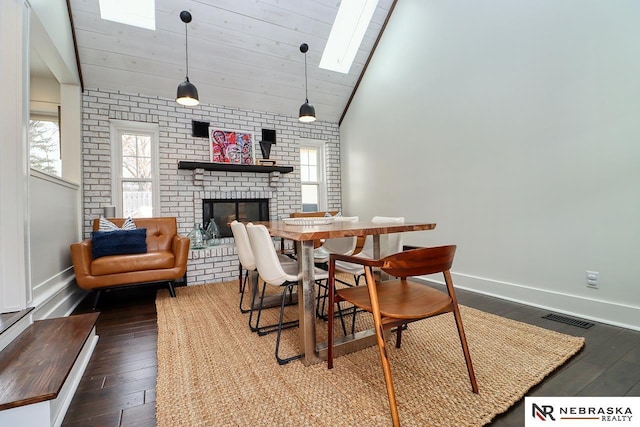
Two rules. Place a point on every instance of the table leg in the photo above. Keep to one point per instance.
(376, 246)
(377, 254)
(307, 303)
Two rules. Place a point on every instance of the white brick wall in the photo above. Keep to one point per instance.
(179, 189)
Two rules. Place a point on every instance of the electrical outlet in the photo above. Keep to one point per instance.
(592, 279)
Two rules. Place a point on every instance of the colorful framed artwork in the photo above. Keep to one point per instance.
(231, 146)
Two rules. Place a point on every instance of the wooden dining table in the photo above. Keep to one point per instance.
(304, 236)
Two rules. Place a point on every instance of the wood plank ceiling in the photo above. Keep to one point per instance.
(242, 53)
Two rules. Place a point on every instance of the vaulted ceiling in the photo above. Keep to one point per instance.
(242, 53)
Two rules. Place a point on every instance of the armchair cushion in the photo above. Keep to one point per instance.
(118, 242)
(118, 264)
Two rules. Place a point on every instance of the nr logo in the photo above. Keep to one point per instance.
(542, 412)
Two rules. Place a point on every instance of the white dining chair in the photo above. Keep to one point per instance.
(274, 273)
(389, 244)
(339, 245)
(247, 260)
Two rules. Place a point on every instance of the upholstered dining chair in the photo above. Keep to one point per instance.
(394, 303)
(274, 273)
(339, 245)
(247, 262)
(389, 244)
(313, 214)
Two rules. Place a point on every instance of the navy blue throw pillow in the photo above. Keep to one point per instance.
(118, 242)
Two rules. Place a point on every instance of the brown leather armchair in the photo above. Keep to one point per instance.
(164, 261)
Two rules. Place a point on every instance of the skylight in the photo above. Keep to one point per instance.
(346, 35)
(139, 13)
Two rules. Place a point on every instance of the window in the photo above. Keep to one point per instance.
(139, 13)
(44, 145)
(136, 185)
(312, 174)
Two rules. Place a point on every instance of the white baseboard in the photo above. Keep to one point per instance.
(57, 297)
(624, 316)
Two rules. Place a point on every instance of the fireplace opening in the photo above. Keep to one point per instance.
(224, 211)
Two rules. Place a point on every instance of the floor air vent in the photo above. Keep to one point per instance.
(569, 321)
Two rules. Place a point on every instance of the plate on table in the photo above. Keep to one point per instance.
(309, 221)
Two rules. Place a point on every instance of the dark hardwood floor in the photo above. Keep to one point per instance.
(118, 388)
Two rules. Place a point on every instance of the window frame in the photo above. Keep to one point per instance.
(117, 128)
(318, 145)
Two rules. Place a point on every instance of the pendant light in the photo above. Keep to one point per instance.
(307, 112)
(187, 93)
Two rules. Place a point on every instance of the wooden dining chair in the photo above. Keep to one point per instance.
(396, 302)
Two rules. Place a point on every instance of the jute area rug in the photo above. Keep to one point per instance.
(212, 371)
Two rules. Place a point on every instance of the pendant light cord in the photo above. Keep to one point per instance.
(306, 84)
(186, 48)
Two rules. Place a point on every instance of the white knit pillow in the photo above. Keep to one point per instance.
(106, 225)
(128, 224)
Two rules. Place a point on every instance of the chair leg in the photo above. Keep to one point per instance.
(242, 291)
(465, 348)
(240, 286)
(96, 297)
(384, 355)
(280, 360)
(264, 330)
(355, 310)
(463, 338)
(319, 313)
(321, 307)
(399, 330)
(344, 326)
(259, 309)
(331, 290)
(172, 289)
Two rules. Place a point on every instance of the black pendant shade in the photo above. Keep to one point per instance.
(187, 93)
(307, 112)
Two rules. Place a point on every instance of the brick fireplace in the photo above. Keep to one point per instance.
(212, 263)
(182, 191)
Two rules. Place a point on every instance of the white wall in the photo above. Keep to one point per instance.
(53, 226)
(515, 126)
(14, 117)
(20, 30)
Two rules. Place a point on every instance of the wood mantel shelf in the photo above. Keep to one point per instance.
(233, 168)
